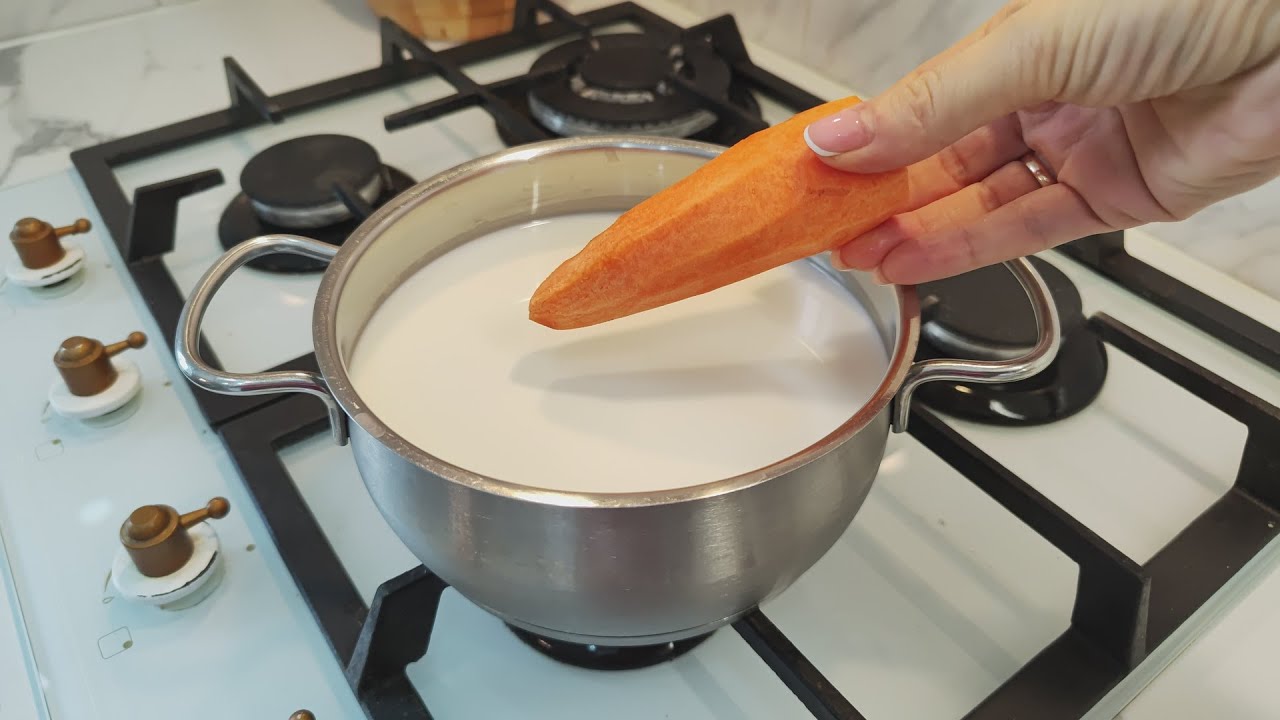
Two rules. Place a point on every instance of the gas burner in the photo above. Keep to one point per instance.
(297, 186)
(620, 83)
(608, 657)
(984, 315)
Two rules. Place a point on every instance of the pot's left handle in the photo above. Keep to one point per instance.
(186, 346)
(1039, 357)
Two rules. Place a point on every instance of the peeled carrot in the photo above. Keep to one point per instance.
(762, 203)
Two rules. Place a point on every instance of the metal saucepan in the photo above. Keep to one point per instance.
(616, 569)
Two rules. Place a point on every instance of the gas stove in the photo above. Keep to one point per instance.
(1038, 549)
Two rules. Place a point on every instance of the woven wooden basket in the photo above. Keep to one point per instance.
(448, 19)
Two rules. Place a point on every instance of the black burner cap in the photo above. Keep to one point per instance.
(608, 657)
(988, 307)
(240, 222)
(985, 313)
(1066, 387)
(627, 62)
(301, 173)
(625, 68)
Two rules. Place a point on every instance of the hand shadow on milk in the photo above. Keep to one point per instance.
(710, 353)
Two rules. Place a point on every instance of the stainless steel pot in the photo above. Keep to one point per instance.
(617, 569)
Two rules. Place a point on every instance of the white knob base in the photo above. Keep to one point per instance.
(70, 264)
(186, 587)
(126, 387)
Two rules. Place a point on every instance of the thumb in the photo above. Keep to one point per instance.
(995, 75)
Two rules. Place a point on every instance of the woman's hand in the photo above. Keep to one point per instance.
(1143, 112)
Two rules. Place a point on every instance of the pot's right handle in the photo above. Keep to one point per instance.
(992, 371)
(186, 347)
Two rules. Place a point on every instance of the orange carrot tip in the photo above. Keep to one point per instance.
(762, 203)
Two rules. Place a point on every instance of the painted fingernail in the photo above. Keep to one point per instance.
(843, 132)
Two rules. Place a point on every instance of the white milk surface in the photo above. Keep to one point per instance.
(686, 394)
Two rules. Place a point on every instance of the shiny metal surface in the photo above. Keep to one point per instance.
(186, 347)
(568, 125)
(605, 568)
(1038, 169)
(627, 570)
(992, 371)
(318, 215)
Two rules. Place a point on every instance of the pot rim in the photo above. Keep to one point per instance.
(333, 370)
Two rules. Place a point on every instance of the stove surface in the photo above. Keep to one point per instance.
(251, 649)
(921, 610)
(934, 597)
(281, 330)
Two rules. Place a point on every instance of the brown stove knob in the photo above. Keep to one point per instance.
(37, 241)
(156, 535)
(85, 363)
(303, 715)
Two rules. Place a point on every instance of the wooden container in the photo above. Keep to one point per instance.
(448, 19)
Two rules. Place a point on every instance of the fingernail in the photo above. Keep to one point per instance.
(843, 132)
(837, 261)
(878, 278)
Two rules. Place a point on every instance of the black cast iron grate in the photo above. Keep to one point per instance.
(1122, 612)
(1106, 255)
(143, 228)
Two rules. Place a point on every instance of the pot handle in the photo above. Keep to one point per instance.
(186, 347)
(991, 371)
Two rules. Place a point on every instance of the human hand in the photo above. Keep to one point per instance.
(1143, 111)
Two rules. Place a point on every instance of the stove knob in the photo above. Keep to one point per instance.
(92, 384)
(42, 260)
(302, 715)
(85, 363)
(169, 559)
(158, 538)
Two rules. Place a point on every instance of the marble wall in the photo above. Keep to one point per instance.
(23, 18)
(865, 44)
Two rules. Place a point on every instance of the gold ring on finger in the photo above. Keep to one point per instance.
(1038, 169)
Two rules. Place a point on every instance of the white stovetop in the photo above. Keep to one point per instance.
(930, 601)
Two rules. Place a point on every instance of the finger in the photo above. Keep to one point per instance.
(1042, 219)
(968, 205)
(925, 112)
(978, 33)
(972, 158)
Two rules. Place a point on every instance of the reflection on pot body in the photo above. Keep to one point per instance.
(615, 569)
(623, 575)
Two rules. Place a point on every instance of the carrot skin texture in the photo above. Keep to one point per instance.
(760, 204)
